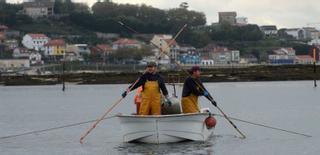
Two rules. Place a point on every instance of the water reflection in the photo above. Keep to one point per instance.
(187, 147)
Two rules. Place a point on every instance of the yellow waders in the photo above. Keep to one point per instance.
(150, 104)
(190, 104)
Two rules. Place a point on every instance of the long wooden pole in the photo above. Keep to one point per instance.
(212, 100)
(105, 114)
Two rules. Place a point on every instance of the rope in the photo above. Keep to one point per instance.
(266, 126)
(51, 129)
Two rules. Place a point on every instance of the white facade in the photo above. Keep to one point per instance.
(235, 56)
(296, 33)
(35, 41)
(160, 42)
(34, 57)
(14, 63)
(35, 12)
(82, 49)
(207, 62)
(163, 42)
(38, 9)
(242, 20)
(315, 42)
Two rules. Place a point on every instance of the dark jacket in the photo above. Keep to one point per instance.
(192, 86)
(151, 77)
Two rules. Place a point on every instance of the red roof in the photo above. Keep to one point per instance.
(104, 47)
(37, 35)
(55, 42)
(126, 41)
(220, 49)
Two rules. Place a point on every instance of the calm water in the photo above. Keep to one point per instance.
(289, 105)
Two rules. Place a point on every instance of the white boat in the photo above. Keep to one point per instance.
(165, 128)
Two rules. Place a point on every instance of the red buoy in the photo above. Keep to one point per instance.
(210, 122)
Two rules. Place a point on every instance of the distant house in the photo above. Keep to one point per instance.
(35, 41)
(126, 43)
(314, 42)
(283, 56)
(295, 33)
(228, 17)
(249, 60)
(163, 41)
(75, 52)
(12, 34)
(188, 55)
(241, 21)
(11, 44)
(304, 59)
(3, 28)
(102, 49)
(311, 33)
(14, 63)
(72, 53)
(56, 47)
(269, 30)
(306, 33)
(82, 49)
(38, 9)
(207, 62)
(223, 55)
(23, 53)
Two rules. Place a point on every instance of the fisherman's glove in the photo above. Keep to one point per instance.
(214, 103)
(206, 94)
(124, 94)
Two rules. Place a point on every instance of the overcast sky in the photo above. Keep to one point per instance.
(283, 13)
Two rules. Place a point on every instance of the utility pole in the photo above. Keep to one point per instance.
(315, 66)
(63, 68)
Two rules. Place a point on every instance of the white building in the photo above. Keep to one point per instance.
(23, 53)
(35, 41)
(207, 62)
(167, 45)
(315, 42)
(242, 21)
(11, 44)
(269, 30)
(38, 9)
(14, 63)
(82, 49)
(295, 33)
(306, 33)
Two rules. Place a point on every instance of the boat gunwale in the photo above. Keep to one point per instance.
(161, 116)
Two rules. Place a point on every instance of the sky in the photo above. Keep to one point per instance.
(283, 13)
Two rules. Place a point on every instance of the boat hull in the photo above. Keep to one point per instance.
(164, 128)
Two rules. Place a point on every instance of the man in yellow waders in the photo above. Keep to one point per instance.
(151, 83)
(192, 89)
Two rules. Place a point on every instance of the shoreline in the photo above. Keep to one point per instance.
(248, 74)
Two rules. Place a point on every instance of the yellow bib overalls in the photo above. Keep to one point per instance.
(150, 104)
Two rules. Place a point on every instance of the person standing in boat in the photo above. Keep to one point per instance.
(192, 89)
(152, 86)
